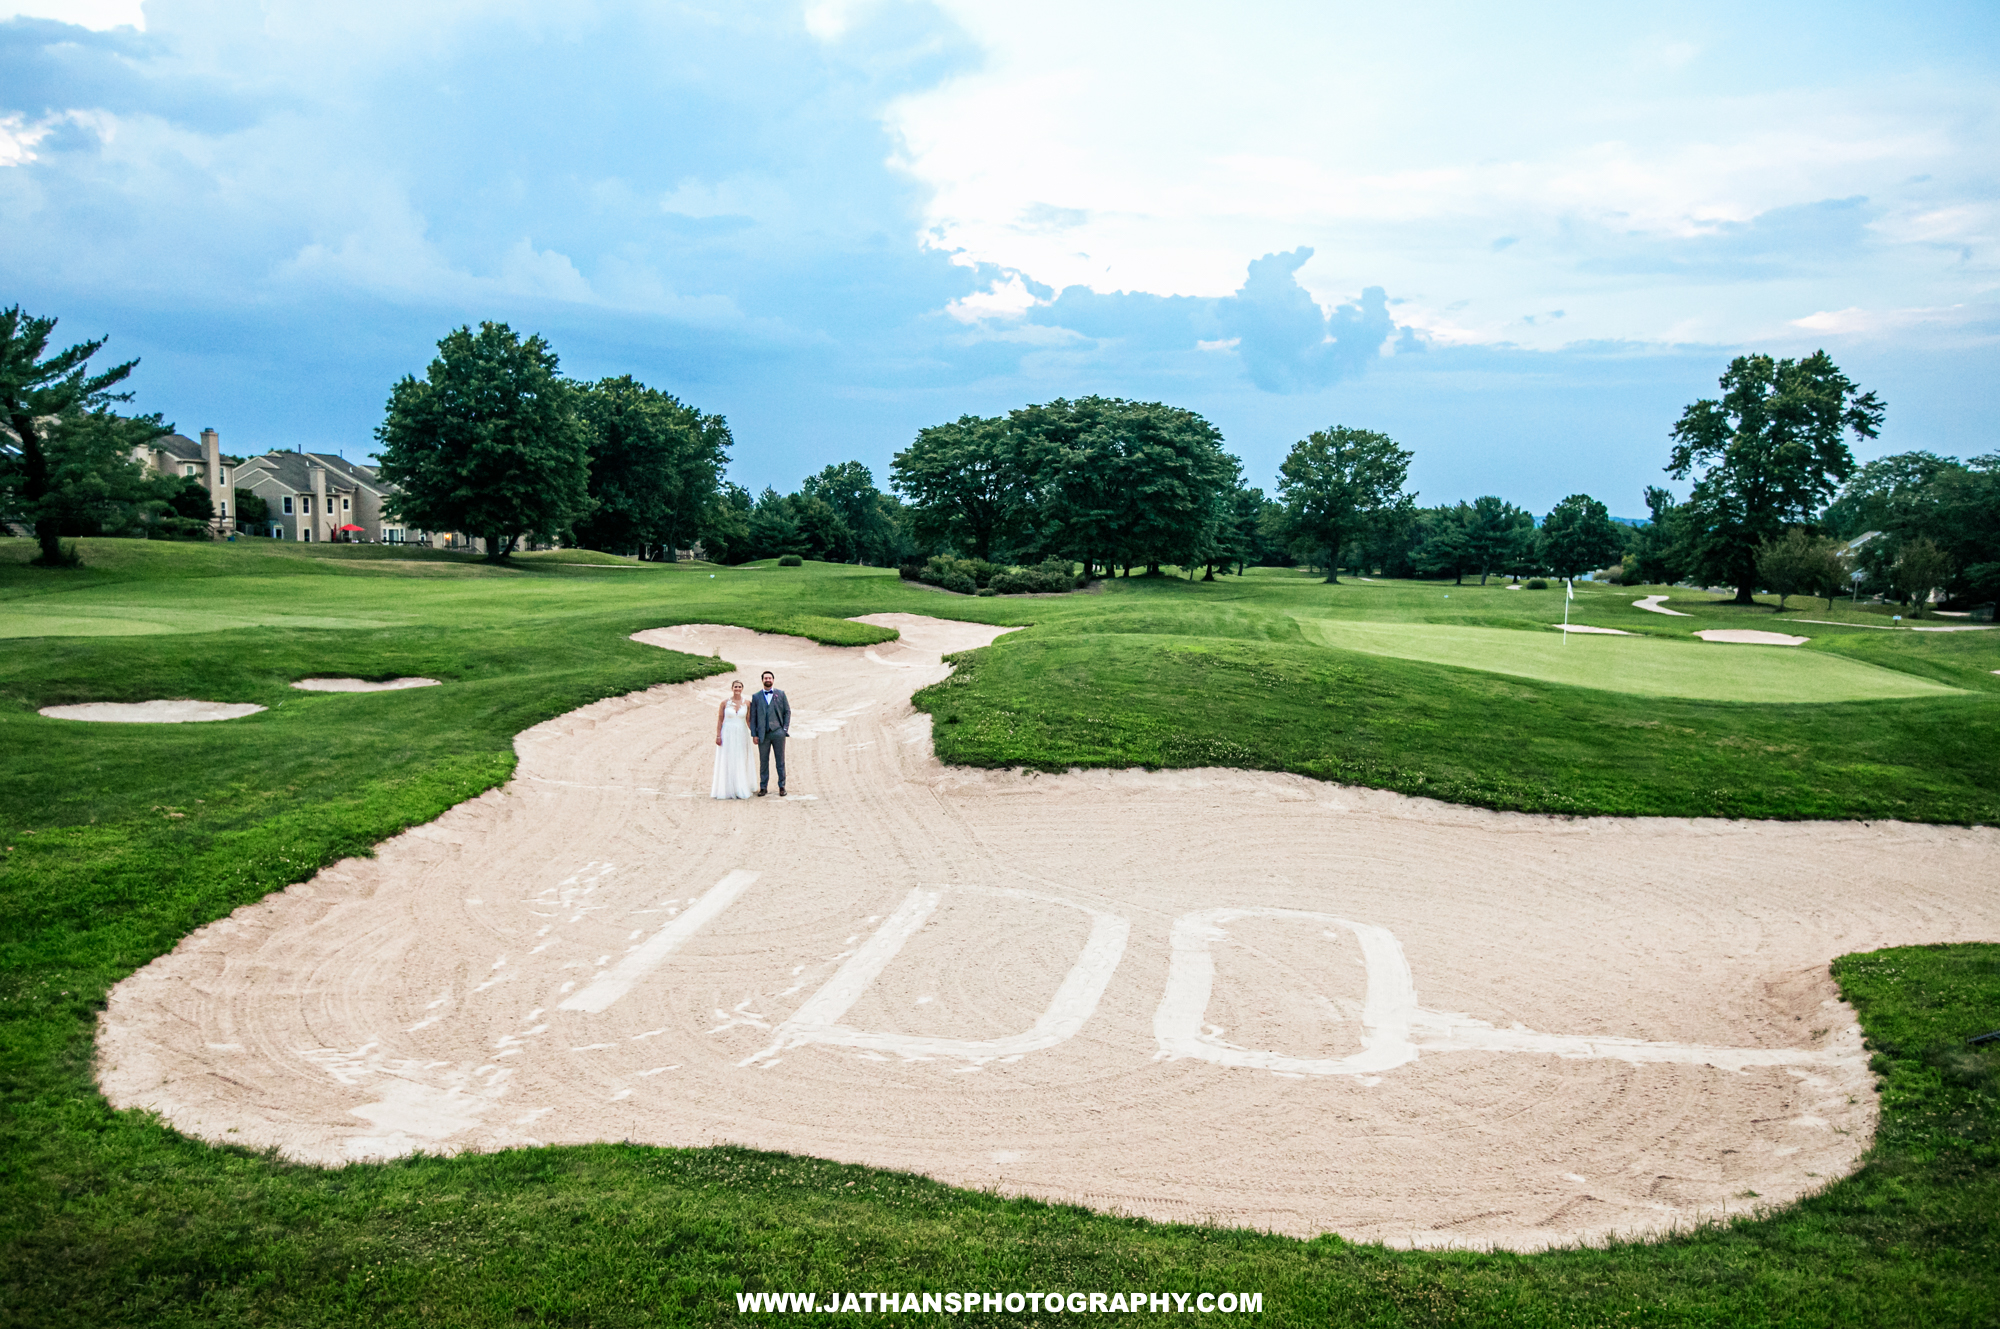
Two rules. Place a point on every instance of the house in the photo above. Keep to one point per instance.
(177, 454)
(318, 496)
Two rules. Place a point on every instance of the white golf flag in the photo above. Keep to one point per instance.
(1569, 588)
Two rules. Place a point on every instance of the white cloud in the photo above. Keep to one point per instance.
(18, 139)
(1185, 140)
(1855, 321)
(98, 15)
(1008, 299)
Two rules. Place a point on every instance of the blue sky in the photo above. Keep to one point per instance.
(1517, 244)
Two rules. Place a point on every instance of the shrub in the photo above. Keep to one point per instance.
(1050, 576)
(1538, 585)
(986, 590)
(789, 561)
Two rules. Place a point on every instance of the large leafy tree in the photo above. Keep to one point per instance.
(655, 467)
(1578, 535)
(1765, 455)
(964, 484)
(872, 519)
(1336, 483)
(1873, 496)
(489, 441)
(1117, 481)
(69, 452)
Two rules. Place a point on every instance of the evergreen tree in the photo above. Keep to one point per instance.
(65, 456)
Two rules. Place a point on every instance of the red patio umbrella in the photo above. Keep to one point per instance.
(352, 527)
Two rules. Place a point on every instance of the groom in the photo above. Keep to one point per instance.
(770, 726)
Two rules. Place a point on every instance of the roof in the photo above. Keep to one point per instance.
(294, 470)
(184, 449)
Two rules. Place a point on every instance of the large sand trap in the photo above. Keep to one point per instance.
(1600, 632)
(1751, 637)
(369, 685)
(1252, 999)
(152, 712)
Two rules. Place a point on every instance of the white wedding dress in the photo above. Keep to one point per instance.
(735, 757)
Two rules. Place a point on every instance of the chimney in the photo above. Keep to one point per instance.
(211, 455)
(319, 500)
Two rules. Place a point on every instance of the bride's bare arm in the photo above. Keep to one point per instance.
(721, 712)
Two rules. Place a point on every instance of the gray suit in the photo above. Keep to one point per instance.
(770, 726)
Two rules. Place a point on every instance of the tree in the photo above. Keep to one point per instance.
(655, 464)
(725, 526)
(1578, 535)
(1870, 499)
(1494, 531)
(1121, 481)
(1920, 569)
(848, 488)
(1767, 455)
(252, 512)
(1337, 481)
(96, 486)
(1655, 554)
(964, 483)
(1955, 505)
(489, 441)
(1446, 550)
(59, 395)
(1800, 563)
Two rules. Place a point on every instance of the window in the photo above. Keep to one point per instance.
(343, 505)
(288, 505)
(329, 505)
(187, 470)
(222, 508)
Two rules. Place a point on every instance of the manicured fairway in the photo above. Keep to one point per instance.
(1642, 666)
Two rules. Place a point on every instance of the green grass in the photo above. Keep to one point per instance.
(116, 841)
(1642, 666)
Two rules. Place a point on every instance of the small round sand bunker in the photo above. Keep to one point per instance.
(362, 684)
(180, 711)
(1751, 637)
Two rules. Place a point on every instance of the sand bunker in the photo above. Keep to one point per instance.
(1202, 995)
(367, 685)
(152, 712)
(1751, 637)
(1656, 604)
(1601, 632)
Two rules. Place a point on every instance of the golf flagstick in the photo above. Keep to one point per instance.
(1569, 593)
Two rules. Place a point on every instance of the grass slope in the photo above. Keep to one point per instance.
(115, 841)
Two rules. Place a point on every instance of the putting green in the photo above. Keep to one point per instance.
(1645, 666)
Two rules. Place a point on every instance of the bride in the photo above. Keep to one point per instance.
(732, 747)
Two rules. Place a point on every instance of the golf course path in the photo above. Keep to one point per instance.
(1221, 996)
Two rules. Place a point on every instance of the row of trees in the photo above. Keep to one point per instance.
(1120, 484)
(495, 441)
